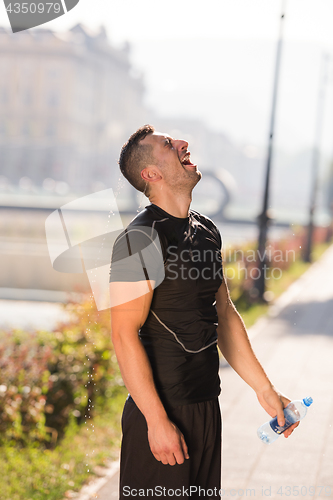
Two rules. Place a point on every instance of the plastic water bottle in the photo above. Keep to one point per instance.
(295, 411)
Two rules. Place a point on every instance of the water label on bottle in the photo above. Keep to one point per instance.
(290, 418)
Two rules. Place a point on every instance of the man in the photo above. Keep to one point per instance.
(165, 330)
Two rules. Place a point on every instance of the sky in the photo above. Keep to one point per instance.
(215, 60)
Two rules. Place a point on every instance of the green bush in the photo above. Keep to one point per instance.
(48, 376)
(242, 264)
(23, 387)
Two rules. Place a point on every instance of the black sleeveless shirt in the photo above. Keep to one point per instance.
(183, 258)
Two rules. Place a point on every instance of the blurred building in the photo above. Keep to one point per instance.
(67, 102)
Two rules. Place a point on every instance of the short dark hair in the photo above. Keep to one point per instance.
(134, 157)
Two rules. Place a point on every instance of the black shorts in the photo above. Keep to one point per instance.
(198, 477)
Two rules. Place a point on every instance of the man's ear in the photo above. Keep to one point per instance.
(150, 174)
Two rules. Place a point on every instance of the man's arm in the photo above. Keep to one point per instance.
(235, 346)
(166, 441)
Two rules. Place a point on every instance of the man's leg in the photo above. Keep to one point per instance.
(139, 469)
(202, 432)
(201, 425)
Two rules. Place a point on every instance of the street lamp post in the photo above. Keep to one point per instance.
(264, 218)
(316, 156)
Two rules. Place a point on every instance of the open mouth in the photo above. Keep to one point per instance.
(186, 162)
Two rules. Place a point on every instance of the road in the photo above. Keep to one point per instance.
(30, 315)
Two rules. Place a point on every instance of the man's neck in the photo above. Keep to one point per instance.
(178, 206)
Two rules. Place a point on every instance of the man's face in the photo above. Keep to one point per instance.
(172, 159)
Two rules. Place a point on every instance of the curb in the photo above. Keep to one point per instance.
(289, 295)
(284, 300)
(295, 288)
(90, 490)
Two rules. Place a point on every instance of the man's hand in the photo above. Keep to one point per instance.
(167, 443)
(274, 402)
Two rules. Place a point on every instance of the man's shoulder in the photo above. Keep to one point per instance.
(139, 234)
(203, 219)
(144, 218)
(209, 226)
(137, 253)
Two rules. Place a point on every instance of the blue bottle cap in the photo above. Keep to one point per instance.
(308, 401)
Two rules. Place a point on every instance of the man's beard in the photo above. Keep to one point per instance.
(193, 180)
(185, 184)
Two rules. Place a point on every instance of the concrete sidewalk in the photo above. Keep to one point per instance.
(295, 346)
